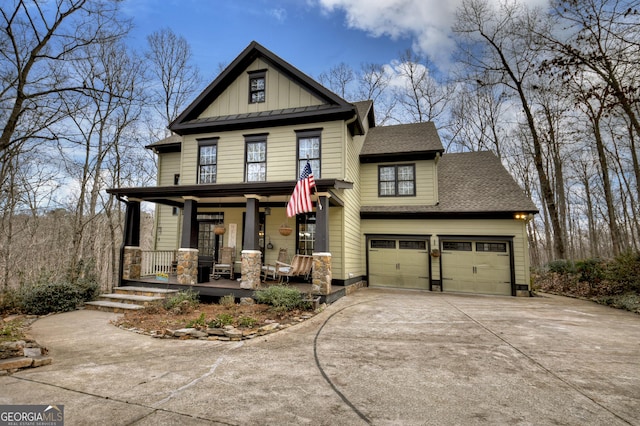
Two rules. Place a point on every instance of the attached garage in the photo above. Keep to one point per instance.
(477, 266)
(399, 262)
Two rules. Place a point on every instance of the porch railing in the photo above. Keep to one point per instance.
(156, 261)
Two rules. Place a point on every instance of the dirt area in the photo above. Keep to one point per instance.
(205, 316)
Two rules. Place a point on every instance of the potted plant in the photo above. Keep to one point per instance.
(219, 229)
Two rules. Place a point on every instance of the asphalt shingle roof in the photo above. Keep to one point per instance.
(470, 182)
(402, 138)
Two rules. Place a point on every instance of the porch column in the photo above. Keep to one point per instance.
(187, 269)
(321, 275)
(251, 254)
(131, 254)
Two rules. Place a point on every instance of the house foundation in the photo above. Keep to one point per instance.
(251, 268)
(131, 263)
(187, 269)
(321, 276)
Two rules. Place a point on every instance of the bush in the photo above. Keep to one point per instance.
(228, 300)
(221, 320)
(47, 295)
(282, 298)
(9, 301)
(182, 299)
(562, 267)
(42, 298)
(624, 271)
(591, 271)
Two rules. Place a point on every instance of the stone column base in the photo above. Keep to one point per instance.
(251, 267)
(131, 263)
(321, 282)
(187, 269)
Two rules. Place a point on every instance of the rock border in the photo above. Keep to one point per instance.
(227, 333)
(17, 355)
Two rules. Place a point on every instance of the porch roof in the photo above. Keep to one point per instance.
(228, 194)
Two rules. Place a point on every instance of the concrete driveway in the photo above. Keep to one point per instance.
(378, 356)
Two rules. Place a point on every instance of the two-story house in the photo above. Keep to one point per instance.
(392, 208)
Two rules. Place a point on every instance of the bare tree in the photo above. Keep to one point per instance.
(176, 78)
(374, 84)
(499, 43)
(338, 79)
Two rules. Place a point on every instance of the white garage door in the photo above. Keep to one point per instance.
(400, 263)
(476, 267)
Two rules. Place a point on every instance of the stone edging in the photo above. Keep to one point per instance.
(19, 354)
(228, 333)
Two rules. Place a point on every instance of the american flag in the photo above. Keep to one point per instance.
(301, 198)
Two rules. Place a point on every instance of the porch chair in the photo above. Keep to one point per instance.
(289, 270)
(272, 270)
(225, 264)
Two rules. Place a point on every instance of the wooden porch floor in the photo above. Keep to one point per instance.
(223, 287)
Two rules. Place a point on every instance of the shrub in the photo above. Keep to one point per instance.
(591, 271)
(282, 298)
(562, 267)
(9, 301)
(198, 322)
(247, 322)
(221, 320)
(184, 299)
(42, 298)
(228, 300)
(624, 271)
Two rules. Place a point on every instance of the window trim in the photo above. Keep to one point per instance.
(251, 139)
(304, 134)
(255, 75)
(396, 192)
(204, 143)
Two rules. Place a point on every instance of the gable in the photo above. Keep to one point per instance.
(281, 92)
(291, 98)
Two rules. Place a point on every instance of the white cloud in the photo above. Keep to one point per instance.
(279, 14)
(426, 22)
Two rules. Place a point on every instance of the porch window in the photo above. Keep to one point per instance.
(306, 233)
(397, 180)
(256, 158)
(257, 87)
(207, 160)
(309, 149)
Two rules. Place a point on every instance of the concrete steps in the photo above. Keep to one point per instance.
(128, 299)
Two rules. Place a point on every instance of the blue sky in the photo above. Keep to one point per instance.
(307, 35)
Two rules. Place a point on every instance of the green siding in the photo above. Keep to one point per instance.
(426, 190)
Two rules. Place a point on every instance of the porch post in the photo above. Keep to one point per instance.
(131, 256)
(251, 254)
(187, 269)
(321, 275)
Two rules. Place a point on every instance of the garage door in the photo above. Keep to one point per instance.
(400, 263)
(476, 267)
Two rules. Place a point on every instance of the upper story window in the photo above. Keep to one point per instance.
(397, 180)
(309, 150)
(256, 158)
(207, 160)
(257, 86)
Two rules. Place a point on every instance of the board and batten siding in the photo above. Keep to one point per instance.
(168, 166)
(281, 153)
(426, 178)
(462, 227)
(280, 93)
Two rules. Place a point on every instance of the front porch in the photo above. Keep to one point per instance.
(223, 287)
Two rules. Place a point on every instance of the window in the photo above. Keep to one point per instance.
(413, 245)
(257, 87)
(383, 244)
(207, 160)
(176, 179)
(306, 233)
(309, 150)
(397, 180)
(456, 246)
(256, 158)
(492, 247)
